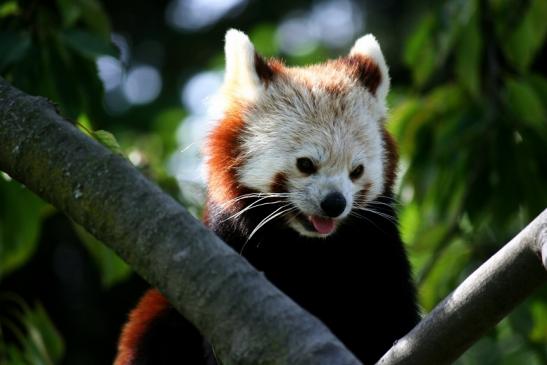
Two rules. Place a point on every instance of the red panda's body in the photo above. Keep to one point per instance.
(300, 175)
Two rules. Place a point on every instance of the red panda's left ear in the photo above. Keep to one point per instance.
(246, 71)
(373, 69)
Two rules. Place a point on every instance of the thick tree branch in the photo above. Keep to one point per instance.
(248, 320)
(479, 303)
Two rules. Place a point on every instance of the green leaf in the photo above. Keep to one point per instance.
(13, 48)
(95, 17)
(420, 52)
(44, 334)
(438, 284)
(9, 8)
(403, 124)
(468, 58)
(524, 41)
(89, 45)
(539, 320)
(539, 83)
(525, 103)
(108, 140)
(20, 222)
(70, 11)
(33, 338)
(112, 269)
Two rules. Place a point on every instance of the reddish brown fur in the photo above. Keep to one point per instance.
(361, 195)
(150, 307)
(392, 157)
(335, 88)
(225, 157)
(267, 69)
(365, 69)
(279, 184)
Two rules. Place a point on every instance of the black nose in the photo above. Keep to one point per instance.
(334, 204)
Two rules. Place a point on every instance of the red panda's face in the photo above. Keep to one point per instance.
(309, 138)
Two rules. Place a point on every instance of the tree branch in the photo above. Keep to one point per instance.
(247, 319)
(479, 303)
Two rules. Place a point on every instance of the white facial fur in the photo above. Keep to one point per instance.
(298, 115)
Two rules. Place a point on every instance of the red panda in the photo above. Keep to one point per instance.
(300, 174)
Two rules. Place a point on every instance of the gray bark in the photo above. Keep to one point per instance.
(479, 303)
(247, 319)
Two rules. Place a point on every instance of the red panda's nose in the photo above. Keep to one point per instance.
(334, 204)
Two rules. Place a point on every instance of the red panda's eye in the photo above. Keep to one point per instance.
(356, 172)
(305, 165)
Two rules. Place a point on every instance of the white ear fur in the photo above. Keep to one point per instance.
(240, 75)
(368, 46)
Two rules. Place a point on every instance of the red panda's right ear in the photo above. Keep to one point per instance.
(373, 70)
(246, 71)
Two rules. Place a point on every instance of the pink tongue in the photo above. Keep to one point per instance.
(322, 225)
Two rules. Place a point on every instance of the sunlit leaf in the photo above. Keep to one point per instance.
(524, 41)
(34, 340)
(45, 334)
(108, 140)
(9, 8)
(85, 124)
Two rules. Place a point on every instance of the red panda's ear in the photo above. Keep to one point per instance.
(373, 71)
(246, 70)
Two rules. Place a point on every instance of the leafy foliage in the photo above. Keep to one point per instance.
(20, 219)
(37, 341)
(474, 138)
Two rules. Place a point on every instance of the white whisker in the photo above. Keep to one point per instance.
(251, 206)
(355, 214)
(263, 222)
(276, 213)
(380, 214)
(256, 195)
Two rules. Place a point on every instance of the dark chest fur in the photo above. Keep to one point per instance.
(357, 281)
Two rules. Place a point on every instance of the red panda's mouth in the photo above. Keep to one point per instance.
(317, 224)
(323, 225)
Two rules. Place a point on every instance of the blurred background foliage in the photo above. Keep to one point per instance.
(468, 108)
